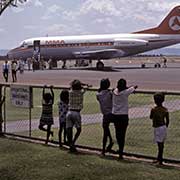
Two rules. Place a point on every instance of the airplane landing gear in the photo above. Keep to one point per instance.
(143, 65)
(64, 64)
(100, 65)
(157, 65)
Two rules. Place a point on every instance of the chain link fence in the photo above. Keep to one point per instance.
(139, 138)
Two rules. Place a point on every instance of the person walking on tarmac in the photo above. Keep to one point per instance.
(6, 70)
(165, 62)
(21, 66)
(14, 70)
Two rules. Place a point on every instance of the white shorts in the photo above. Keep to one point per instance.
(73, 118)
(160, 134)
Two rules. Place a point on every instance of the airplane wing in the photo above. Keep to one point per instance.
(98, 54)
(112, 53)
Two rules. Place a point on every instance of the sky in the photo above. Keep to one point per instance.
(37, 18)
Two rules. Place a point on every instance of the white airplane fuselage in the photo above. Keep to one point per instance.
(107, 46)
(94, 47)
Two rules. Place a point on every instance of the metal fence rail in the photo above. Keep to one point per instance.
(139, 138)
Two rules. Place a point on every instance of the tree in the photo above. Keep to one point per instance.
(5, 3)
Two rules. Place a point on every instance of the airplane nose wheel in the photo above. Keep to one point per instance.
(100, 65)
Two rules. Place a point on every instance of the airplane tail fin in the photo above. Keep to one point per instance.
(170, 25)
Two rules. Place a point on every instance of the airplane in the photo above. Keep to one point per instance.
(102, 47)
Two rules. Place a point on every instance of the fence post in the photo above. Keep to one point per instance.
(5, 109)
(30, 115)
(1, 118)
(2, 101)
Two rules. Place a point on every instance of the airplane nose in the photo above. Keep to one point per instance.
(9, 54)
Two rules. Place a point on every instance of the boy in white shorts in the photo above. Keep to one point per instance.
(160, 118)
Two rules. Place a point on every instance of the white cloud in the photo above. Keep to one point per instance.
(117, 15)
(151, 10)
(51, 12)
(30, 27)
(17, 9)
(69, 15)
(2, 30)
(55, 29)
(54, 8)
(92, 8)
(161, 5)
(38, 3)
(102, 20)
(107, 7)
(65, 29)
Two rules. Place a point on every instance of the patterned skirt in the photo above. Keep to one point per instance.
(47, 115)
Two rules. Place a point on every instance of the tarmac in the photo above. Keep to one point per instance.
(149, 78)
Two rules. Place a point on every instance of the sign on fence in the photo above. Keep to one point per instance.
(21, 96)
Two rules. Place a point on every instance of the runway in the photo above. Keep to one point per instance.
(166, 79)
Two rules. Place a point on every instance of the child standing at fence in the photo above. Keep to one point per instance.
(120, 112)
(73, 117)
(104, 96)
(63, 109)
(160, 119)
(47, 112)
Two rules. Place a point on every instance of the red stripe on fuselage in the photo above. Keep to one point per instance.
(73, 45)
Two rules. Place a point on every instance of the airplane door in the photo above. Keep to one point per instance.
(36, 50)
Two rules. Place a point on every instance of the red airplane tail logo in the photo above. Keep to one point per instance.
(170, 25)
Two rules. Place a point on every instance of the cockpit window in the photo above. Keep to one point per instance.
(23, 44)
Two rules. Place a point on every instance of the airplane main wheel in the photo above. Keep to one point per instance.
(143, 65)
(100, 65)
(157, 65)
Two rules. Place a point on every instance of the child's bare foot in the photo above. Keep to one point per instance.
(73, 149)
(103, 153)
(60, 144)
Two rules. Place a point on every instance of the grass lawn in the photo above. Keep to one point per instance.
(91, 105)
(139, 138)
(139, 134)
(27, 161)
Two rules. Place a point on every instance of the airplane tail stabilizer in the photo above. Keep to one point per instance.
(170, 25)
